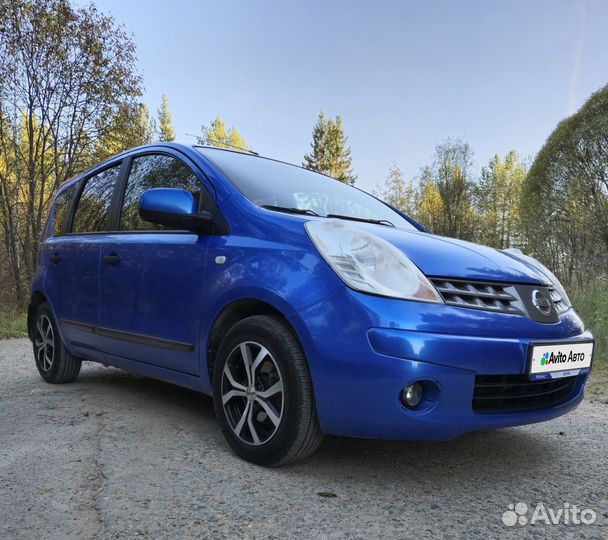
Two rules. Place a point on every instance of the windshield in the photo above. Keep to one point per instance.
(266, 182)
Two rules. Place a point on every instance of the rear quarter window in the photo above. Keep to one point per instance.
(93, 210)
(63, 202)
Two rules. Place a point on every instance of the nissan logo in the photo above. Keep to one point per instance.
(541, 302)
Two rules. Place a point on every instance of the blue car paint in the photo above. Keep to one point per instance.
(385, 344)
(156, 290)
(72, 287)
(173, 201)
(362, 350)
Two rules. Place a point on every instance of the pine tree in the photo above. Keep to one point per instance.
(236, 140)
(318, 159)
(217, 135)
(330, 152)
(166, 133)
(145, 125)
(340, 160)
(131, 126)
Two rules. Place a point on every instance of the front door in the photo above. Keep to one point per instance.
(152, 278)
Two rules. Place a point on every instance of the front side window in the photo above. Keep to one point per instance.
(149, 172)
(93, 210)
(62, 208)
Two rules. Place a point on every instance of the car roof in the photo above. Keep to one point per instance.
(155, 145)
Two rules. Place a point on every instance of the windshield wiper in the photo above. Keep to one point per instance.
(385, 222)
(288, 210)
(309, 212)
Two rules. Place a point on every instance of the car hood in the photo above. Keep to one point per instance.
(439, 256)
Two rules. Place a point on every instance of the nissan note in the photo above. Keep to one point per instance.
(304, 306)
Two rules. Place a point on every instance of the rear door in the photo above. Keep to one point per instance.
(81, 218)
(152, 278)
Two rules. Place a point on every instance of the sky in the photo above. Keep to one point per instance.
(403, 75)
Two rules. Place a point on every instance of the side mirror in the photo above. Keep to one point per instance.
(174, 208)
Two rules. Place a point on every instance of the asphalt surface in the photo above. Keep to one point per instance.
(115, 455)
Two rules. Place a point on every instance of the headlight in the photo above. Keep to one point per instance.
(368, 263)
(540, 269)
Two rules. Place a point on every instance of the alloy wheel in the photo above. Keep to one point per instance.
(44, 341)
(252, 393)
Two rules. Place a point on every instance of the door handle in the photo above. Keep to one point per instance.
(55, 258)
(113, 259)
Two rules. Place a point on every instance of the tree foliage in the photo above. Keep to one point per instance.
(443, 199)
(498, 200)
(451, 176)
(431, 211)
(449, 200)
(131, 126)
(565, 195)
(330, 153)
(166, 133)
(65, 73)
(216, 134)
(398, 192)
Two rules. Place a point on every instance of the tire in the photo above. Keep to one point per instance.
(55, 364)
(273, 421)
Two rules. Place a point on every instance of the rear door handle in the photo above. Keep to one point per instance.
(113, 259)
(55, 258)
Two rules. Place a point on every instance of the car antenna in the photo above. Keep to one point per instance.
(224, 144)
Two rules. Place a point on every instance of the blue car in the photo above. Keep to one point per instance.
(302, 305)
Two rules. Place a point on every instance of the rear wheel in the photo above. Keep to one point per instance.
(263, 393)
(55, 364)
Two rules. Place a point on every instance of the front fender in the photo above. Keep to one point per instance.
(288, 276)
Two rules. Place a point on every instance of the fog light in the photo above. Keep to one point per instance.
(412, 395)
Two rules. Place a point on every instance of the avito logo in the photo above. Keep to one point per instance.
(561, 358)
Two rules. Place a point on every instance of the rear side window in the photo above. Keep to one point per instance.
(62, 208)
(93, 210)
(149, 172)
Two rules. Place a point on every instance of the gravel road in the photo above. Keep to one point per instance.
(121, 456)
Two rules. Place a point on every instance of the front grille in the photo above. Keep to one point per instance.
(510, 393)
(479, 295)
(509, 298)
(560, 304)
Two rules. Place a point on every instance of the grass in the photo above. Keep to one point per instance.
(13, 324)
(591, 303)
(597, 388)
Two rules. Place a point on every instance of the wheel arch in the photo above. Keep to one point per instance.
(231, 314)
(36, 299)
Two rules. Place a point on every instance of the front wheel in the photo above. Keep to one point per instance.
(54, 362)
(263, 395)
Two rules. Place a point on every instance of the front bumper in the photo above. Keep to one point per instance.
(364, 350)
